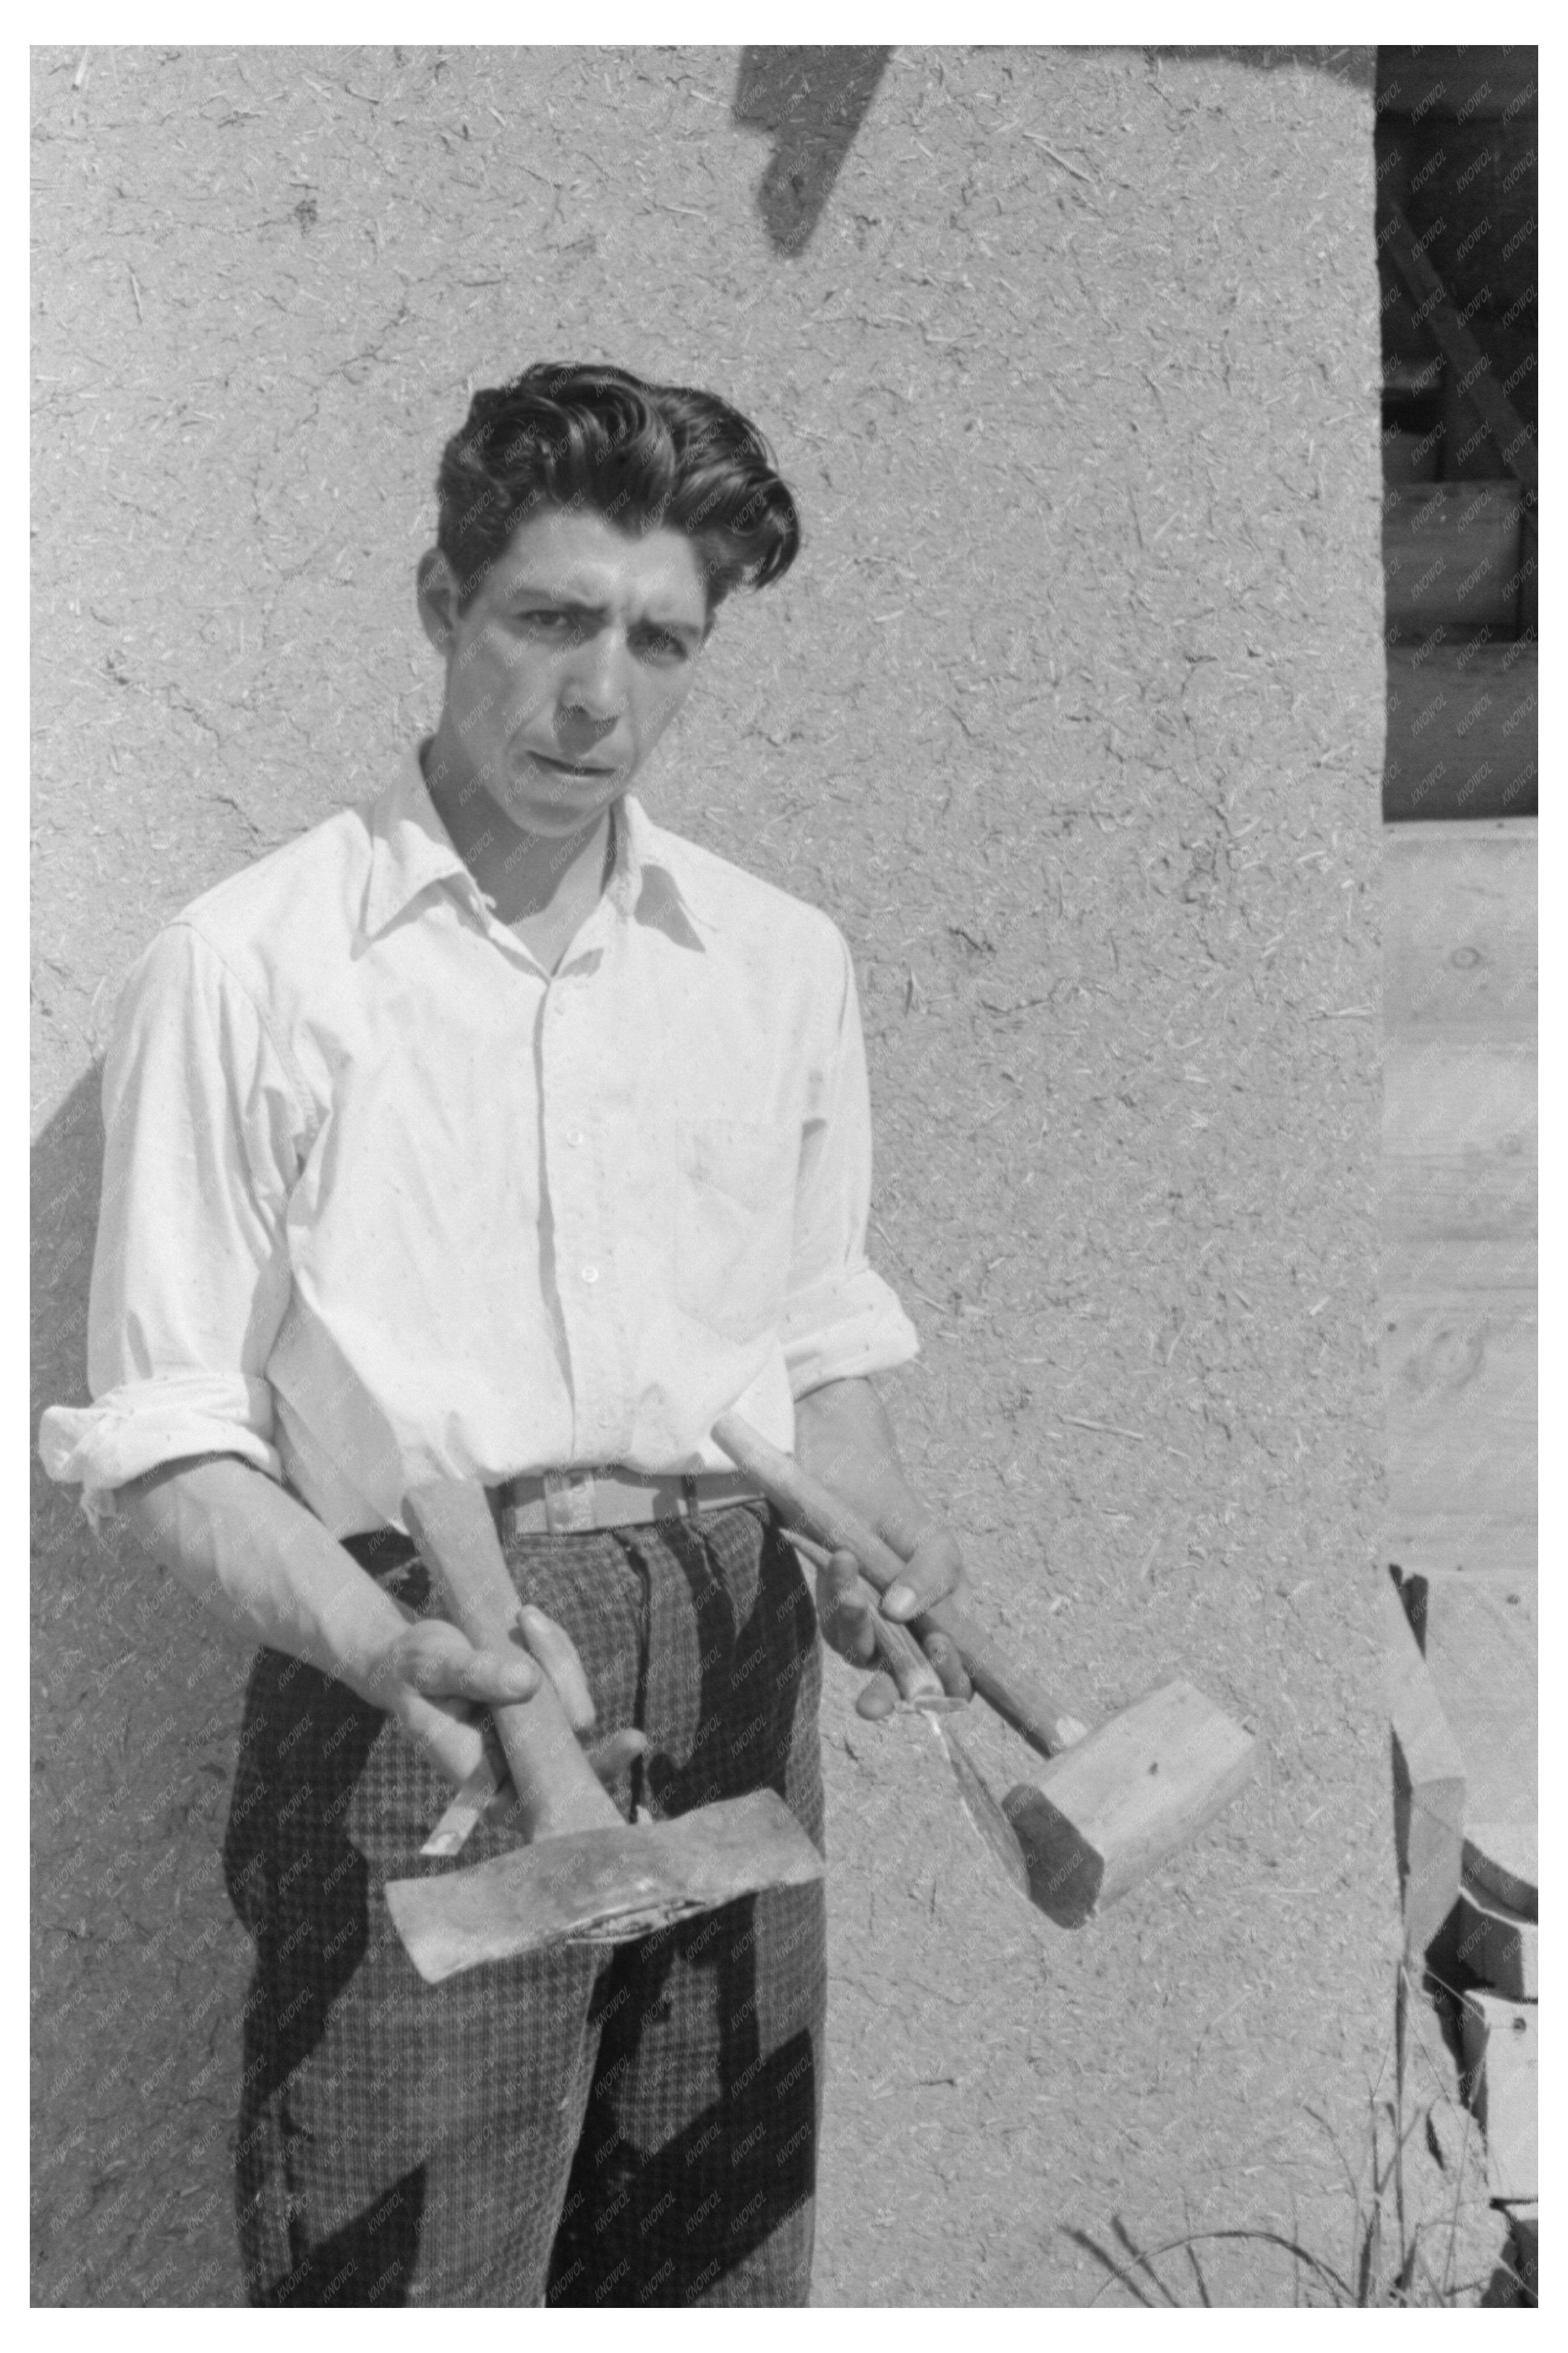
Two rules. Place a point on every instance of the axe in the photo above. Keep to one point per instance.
(1109, 1804)
(585, 1874)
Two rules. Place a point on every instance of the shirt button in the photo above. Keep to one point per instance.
(590, 1274)
(573, 1136)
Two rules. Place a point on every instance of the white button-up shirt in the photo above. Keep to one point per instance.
(382, 1199)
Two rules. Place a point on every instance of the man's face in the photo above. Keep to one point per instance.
(567, 666)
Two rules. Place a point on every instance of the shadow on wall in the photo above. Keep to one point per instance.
(138, 1963)
(813, 101)
(67, 1177)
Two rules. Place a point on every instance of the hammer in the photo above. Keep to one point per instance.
(1109, 1804)
(585, 1874)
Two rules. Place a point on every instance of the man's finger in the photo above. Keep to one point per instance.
(443, 1664)
(455, 1749)
(841, 1605)
(879, 1698)
(842, 1571)
(553, 1646)
(942, 1652)
(933, 1570)
(610, 1758)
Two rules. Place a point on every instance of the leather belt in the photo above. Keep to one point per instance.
(570, 1503)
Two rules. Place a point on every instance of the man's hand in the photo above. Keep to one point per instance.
(438, 1685)
(933, 1571)
(266, 1569)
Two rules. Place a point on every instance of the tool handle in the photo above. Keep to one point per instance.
(803, 1501)
(556, 1787)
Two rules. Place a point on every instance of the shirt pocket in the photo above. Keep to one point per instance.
(734, 1220)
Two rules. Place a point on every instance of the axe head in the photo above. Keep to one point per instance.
(599, 1886)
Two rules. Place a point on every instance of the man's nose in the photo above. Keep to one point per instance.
(593, 691)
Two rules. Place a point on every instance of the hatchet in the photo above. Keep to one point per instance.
(586, 1875)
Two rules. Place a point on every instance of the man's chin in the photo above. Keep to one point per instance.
(576, 805)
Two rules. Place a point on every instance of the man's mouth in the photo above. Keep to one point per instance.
(569, 767)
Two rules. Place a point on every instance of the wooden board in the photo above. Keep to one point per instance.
(1501, 1947)
(1462, 731)
(1501, 2042)
(1428, 1783)
(1451, 557)
(1482, 1649)
(1459, 1146)
(1459, 930)
(1459, 1194)
(1459, 1391)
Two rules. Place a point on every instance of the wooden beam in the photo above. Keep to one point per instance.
(1483, 1653)
(1428, 1784)
(1462, 731)
(1459, 932)
(1452, 556)
(1460, 1391)
(1471, 368)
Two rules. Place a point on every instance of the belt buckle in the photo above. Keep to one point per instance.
(569, 1501)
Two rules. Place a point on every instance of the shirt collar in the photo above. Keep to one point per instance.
(651, 878)
(410, 849)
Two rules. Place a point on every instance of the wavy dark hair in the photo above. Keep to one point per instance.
(644, 456)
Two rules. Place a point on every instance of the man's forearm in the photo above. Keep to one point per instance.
(843, 1436)
(263, 1564)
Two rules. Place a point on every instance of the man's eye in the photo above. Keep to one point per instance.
(550, 623)
(660, 643)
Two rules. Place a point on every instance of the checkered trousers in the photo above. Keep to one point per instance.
(629, 2125)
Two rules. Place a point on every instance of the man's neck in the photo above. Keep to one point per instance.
(524, 874)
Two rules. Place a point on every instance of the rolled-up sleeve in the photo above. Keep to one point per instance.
(190, 1278)
(841, 1320)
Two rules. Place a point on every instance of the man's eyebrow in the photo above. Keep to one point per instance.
(573, 601)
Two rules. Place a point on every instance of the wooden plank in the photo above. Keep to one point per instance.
(1502, 2061)
(1458, 1204)
(1462, 731)
(1451, 557)
(1459, 930)
(1428, 1784)
(1483, 1653)
(1513, 439)
(1443, 1539)
(1499, 1947)
(1459, 1391)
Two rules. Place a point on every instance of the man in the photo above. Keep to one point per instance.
(488, 1130)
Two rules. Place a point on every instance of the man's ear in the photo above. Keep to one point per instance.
(437, 595)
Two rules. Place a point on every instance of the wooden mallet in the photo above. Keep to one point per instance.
(585, 1874)
(1109, 1804)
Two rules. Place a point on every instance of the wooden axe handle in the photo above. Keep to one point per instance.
(804, 1501)
(556, 1787)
